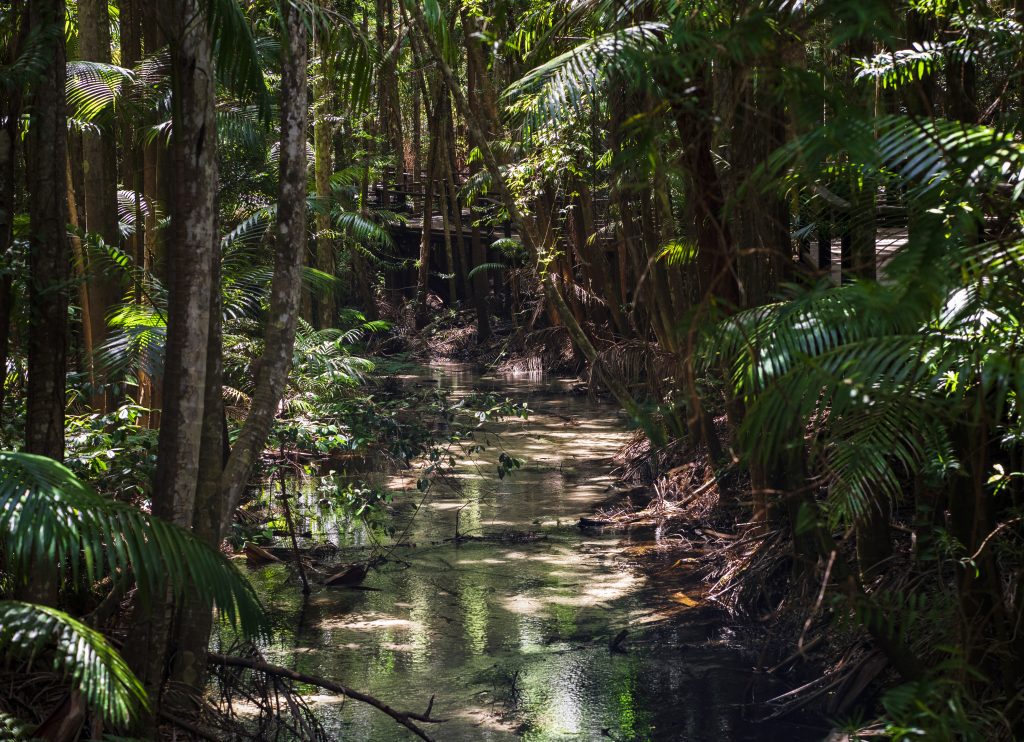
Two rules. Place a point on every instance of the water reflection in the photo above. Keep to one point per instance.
(512, 634)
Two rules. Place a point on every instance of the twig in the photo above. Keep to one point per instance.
(405, 718)
(989, 537)
(817, 603)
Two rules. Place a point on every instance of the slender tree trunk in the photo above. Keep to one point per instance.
(480, 284)
(323, 133)
(100, 178)
(444, 200)
(156, 187)
(81, 272)
(390, 108)
(289, 248)
(452, 186)
(10, 118)
(195, 619)
(423, 273)
(715, 250)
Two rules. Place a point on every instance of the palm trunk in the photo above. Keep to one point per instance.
(423, 273)
(480, 284)
(195, 619)
(81, 272)
(445, 195)
(49, 254)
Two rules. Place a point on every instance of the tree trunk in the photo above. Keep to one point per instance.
(423, 273)
(156, 162)
(323, 133)
(191, 253)
(195, 619)
(49, 263)
(390, 108)
(289, 248)
(475, 75)
(100, 179)
(49, 255)
(10, 118)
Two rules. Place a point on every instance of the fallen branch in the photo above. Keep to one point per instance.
(405, 718)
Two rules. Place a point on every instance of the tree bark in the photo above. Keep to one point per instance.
(423, 273)
(290, 246)
(323, 133)
(49, 254)
(476, 85)
(49, 264)
(100, 179)
(195, 617)
(192, 251)
(10, 117)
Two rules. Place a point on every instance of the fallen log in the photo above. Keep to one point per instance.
(349, 575)
(258, 555)
(405, 718)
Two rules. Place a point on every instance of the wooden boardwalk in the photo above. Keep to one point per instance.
(405, 194)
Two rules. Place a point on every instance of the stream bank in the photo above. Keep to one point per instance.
(517, 630)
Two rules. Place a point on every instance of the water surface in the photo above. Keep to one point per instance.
(511, 633)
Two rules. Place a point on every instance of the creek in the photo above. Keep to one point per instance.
(511, 633)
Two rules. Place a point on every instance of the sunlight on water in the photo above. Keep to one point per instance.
(511, 634)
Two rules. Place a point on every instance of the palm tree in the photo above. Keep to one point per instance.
(47, 516)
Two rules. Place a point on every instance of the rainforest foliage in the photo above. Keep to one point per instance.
(787, 237)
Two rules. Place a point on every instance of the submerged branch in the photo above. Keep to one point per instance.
(405, 718)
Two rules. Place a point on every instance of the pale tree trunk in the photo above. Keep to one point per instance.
(285, 290)
(100, 177)
(195, 619)
(49, 262)
(527, 229)
(191, 254)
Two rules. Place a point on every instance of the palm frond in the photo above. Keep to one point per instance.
(236, 55)
(93, 88)
(49, 516)
(79, 653)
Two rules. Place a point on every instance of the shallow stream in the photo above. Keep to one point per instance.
(511, 633)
